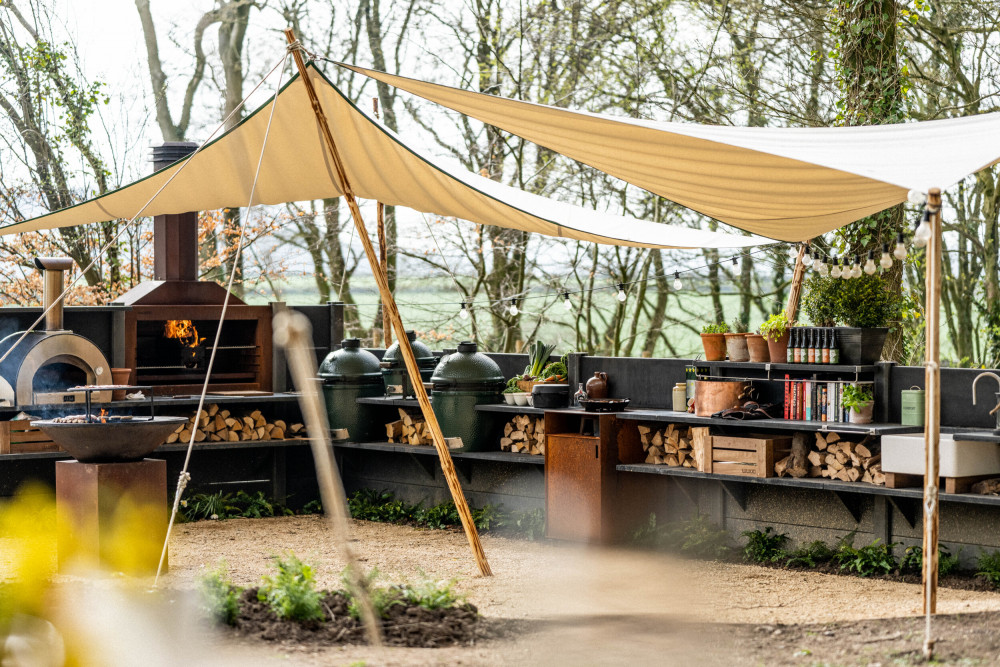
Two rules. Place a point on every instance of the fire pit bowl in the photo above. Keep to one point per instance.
(112, 442)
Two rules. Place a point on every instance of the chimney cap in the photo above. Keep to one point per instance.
(53, 263)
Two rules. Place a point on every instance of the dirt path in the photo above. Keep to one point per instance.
(572, 605)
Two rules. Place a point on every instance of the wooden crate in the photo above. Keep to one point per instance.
(747, 456)
(19, 437)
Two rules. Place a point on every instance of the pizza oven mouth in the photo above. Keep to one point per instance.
(47, 362)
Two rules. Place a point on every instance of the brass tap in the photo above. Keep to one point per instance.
(995, 410)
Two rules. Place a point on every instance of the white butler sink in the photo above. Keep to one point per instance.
(959, 458)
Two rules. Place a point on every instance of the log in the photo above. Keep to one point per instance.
(821, 442)
(798, 466)
(987, 487)
(815, 458)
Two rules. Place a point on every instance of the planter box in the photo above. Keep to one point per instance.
(861, 347)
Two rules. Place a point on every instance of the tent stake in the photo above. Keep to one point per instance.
(795, 290)
(447, 466)
(932, 416)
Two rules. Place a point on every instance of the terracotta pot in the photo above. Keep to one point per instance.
(736, 347)
(758, 348)
(779, 349)
(597, 386)
(711, 396)
(715, 346)
(120, 376)
(864, 416)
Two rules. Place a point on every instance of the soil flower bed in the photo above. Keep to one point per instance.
(403, 624)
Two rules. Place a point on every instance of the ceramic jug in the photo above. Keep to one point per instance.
(597, 386)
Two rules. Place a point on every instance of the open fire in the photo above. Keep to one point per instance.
(183, 330)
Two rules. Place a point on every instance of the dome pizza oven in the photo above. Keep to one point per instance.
(48, 362)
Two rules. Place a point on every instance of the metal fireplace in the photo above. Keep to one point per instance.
(173, 319)
(48, 362)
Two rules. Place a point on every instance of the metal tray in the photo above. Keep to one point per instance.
(604, 404)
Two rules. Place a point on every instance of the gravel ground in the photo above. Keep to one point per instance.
(555, 603)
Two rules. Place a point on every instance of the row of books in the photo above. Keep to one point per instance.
(815, 400)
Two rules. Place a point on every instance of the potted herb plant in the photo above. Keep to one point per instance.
(864, 305)
(860, 400)
(775, 330)
(713, 339)
(736, 341)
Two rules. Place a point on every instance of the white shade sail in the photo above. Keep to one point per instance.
(379, 166)
(785, 183)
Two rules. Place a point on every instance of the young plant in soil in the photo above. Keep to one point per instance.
(810, 555)
(291, 592)
(872, 559)
(764, 546)
(913, 560)
(988, 567)
(219, 597)
(697, 537)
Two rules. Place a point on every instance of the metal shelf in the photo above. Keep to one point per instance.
(767, 424)
(389, 401)
(429, 450)
(511, 409)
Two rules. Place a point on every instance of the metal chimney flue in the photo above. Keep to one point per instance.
(175, 237)
(52, 269)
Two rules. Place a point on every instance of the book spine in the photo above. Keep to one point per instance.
(788, 396)
(815, 399)
(807, 389)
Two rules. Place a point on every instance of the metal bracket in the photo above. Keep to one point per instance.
(909, 508)
(680, 484)
(737, 491)
(852, 502)
(428, 463)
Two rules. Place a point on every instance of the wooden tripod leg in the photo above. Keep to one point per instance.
(447, 466)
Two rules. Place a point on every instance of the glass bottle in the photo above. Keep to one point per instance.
(825, 348)
(834, 347)
(798, 345)
(790, 352)
(810, 346)
(579, 395)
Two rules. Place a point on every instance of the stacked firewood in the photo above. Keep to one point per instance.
(409, 430)
(675, 445)
(217, 425)
(834, 458)
(524, 434)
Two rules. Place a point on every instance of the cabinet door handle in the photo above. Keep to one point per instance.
(596, 454)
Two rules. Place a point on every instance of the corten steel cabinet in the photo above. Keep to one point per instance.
(581, 483)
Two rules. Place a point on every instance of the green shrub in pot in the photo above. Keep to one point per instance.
(715, 328)
(713, 340)
(862, 302)
(859, 399)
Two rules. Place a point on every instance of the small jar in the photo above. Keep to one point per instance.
(680, 397)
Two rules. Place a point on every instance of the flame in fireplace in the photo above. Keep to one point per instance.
(104, 416)
(184, 331)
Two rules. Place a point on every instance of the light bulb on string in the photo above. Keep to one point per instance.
(513, 310)
(835, 269)
(885, 261)
(822, 268)
(807, 260)
(923, 233)
(793, 250)
(847, 272)
(899, 252)
(856, 267)
(736, 260)
(678, 285)
(870, 264)
(621, 292)
(464, 313)
(567, 304)
(916, 197)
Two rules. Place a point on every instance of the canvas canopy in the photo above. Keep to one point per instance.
(786, 183)
(297, 167)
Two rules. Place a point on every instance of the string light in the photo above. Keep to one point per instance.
(916, 197)
(923, 233)
(835, 271)
(807, 260)
(678, 285)
(821, 266)
(736, 260)
(513, 310)
(856, 267)
(464, 313)
(899, 252)
(793, 251)
(885, 261)
(621, 292)
(870, 264)
(567, 304)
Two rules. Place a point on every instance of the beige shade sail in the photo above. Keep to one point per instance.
(786, 183)
(379, 166)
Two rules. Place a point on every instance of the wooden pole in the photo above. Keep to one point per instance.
(293, 332)
(447, 466)
(795, 290)
(383, 257)
(932, 416)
